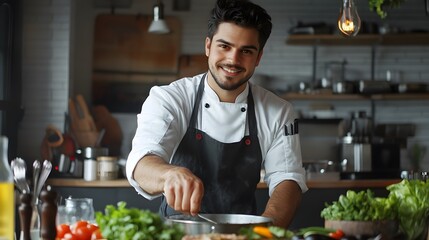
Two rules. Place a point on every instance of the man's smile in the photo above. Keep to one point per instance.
(231, 69)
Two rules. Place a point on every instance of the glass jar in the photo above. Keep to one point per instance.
(107, 167)
(78, 209)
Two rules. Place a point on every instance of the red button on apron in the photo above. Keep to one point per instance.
(247, 141)
(198, 136)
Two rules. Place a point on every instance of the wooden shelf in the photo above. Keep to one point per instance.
(78, 182)
(407, 96)
(399, 96)
(408, 39)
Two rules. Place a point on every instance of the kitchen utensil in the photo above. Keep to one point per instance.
(46, 170)
(100, 137)
(52, 143)
(412, 88)
(206, 218)
(19, 174)
(54, 136)
(82, 125)
(113, 135)
(80, 117)
(36, 174)
(343, 87)
(374, 86)
(226, 223)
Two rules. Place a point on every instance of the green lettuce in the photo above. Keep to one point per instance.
(122, 223)
(412, 199)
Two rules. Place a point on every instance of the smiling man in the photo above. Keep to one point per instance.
(202, 141)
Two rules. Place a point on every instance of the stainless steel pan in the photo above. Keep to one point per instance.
(226, 223)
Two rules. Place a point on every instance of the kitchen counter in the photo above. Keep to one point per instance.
(308, 214)
(64, 182)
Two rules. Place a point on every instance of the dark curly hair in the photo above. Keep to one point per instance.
(243, 13)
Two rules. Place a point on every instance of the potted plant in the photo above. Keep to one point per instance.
(381, 6)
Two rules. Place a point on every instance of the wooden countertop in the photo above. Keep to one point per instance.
(62, 182)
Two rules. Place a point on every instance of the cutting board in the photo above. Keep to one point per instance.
(123, 44)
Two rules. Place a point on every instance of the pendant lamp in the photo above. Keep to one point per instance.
(158, 25)
(349, 20)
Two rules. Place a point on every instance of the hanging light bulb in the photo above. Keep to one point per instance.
(349, 20)
(158, 25)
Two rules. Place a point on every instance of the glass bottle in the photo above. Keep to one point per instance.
(7, 196)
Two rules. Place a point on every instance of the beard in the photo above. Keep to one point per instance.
(228, 84)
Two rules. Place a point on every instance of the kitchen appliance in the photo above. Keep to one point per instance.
(370, 160)
(356, 157)
(386, 158)
(356, 148)
(67, 167)
(73, 166)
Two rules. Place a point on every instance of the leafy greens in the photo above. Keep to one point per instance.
(407, 202)
(124, 223)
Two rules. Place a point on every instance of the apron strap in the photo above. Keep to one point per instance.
(194, 115)
(253, 130)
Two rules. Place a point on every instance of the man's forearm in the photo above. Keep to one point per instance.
(148, 173)
(282, 205)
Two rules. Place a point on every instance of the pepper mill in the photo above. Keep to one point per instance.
(25, 211)
(49, 213)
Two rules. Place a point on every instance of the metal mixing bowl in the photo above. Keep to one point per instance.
(226, 223)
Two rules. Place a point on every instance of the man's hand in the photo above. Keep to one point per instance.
(183, 190)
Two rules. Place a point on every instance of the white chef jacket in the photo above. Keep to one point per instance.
(165, 115)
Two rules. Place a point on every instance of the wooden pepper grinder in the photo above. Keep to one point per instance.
(49, 214)
(25, 211)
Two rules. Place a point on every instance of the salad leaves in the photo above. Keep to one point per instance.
(412, 198)
(122, 223)
(407, 202)
(360, 206)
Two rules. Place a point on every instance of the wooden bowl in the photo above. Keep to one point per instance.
(371, 228)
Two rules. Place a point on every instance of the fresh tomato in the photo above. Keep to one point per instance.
(69, 236)
(96, 235)
(80, 230)
(337, 234)
(92, 227)
(77, 225)
(62, 229)
(83, 233)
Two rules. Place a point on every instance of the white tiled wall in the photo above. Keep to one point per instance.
(47, 73)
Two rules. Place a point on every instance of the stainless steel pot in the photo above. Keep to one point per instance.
(226, 223)
(343, 87)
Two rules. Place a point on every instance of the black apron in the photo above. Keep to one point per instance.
(229, 171)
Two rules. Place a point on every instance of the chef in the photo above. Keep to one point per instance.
(202, 141)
